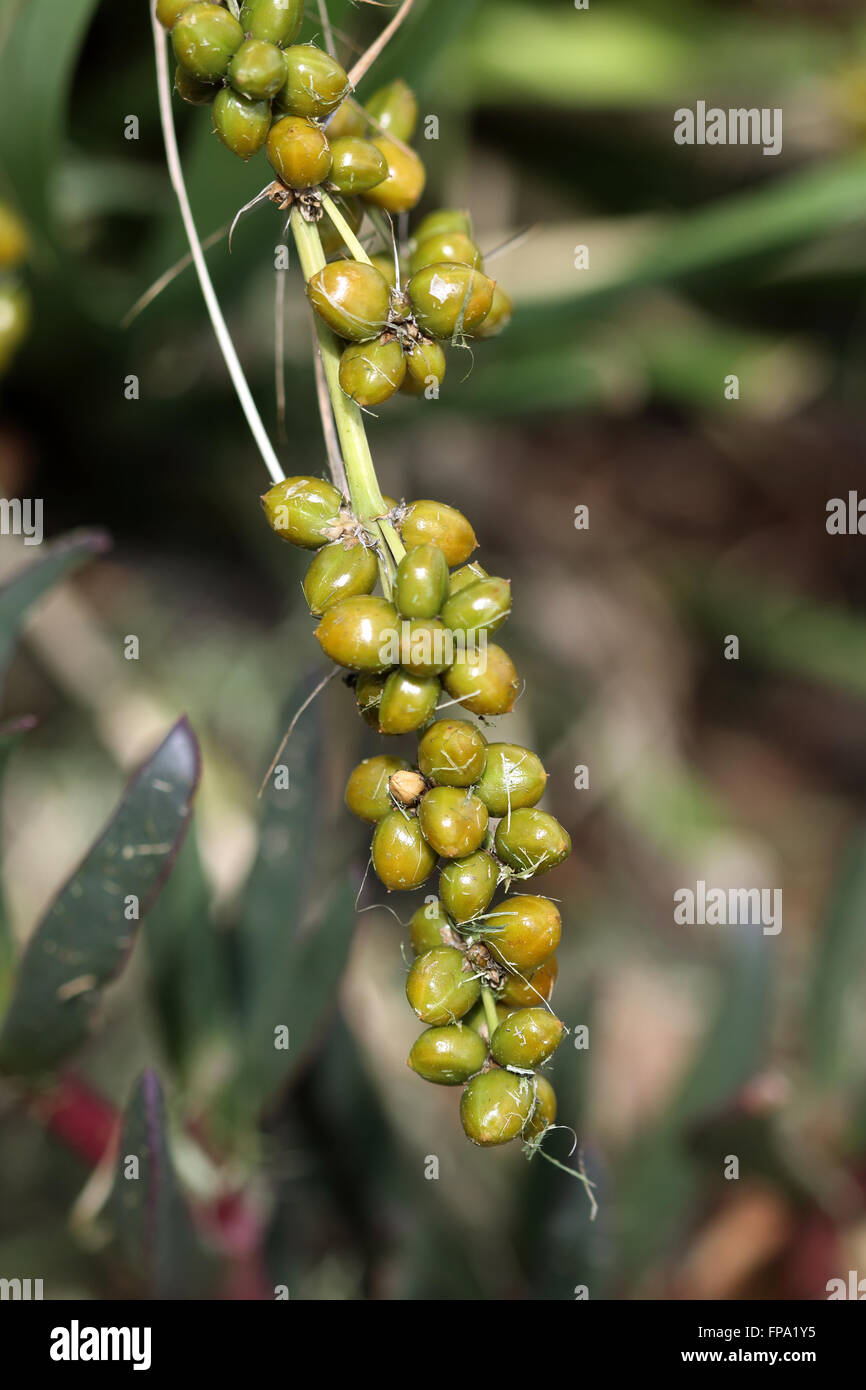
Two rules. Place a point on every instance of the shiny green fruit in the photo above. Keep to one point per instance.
(435, 523)
(275, 21)
(532, 840)
(242, 125)
(526, 1038)
(315, 82)
(448, 1056)
(421, 585)
(441, 987)
(258, 70)
(523, 993)
(371, 372)
(453, 820)
(303, 510)
(544, 1110)
(498, 317)
(357, 164)
(348, 119)
(425, 368)
(486, 683)
(337, 572)
(426, 927)
(495, 1106)
(355, 631)
(352, 210)
(298, 152)
(402, 857)
(513, 777)
(192, 90)
(466, 575)
(407, 702)
(452, 753)
(367, 795)
(368, 693)
(449, 299)
(394, 109)
(205, 39)
(352, 298)
(443, 220)
(455, 247)
(480, 607)
(168, 12)
(404, 182)
(426, 646)
(466, 886)
(523, 932)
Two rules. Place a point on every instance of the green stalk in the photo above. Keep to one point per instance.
(367, 502)
(490, 1014)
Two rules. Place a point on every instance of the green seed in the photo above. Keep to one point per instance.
(426, 646)
(452, 753)
(435, 523)
(394, 109)
(298, 152)
(168, 12)
(422, 582)
(205, 38)
(384, 263)
(371, 372)
(530, 839)
(462, 578)
(407, 702)
(513, 777)
(275, 21)
(523, 932)
(495, 1106)
(402, 857)
(346, 120)
(523, 993)
(450, 299)
(443, 220)
(303, 510)
(480, 607)
(356, 631)
(466, 886)
(544, 1110)
(367, 788)
(257, 70)
(486, 684)
(357, 164)
(448, 1056)
(425, 368)
(453, 820)
(498, 317)
(426, 926)
(315, 82)
(455, 247)
(404, 183)
(441, 987)
(368, 693)
(352, 298)
(241, 124)
(336, 573)
(192, 90)
(526, 1038)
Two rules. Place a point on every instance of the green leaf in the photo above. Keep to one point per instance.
(38, 61)
(834, 1006)
(427, 34)
(10, 734)
(84, 939)
(154, 1230)
(53, 563)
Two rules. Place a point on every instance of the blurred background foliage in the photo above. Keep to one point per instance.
(707, 518)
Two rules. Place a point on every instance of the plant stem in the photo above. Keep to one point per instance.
(345, 230)
(490, 1013)
(366, 497)
(220, 328)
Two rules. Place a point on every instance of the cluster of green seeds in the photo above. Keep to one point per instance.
(14, 297)
(294, 100)
(484, 971)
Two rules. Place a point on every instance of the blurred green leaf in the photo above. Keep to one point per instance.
(835, 995)
(37, 62)
(53, 563)
(428, 33)
(85, 937)
(154, 1231)
(10, 735)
